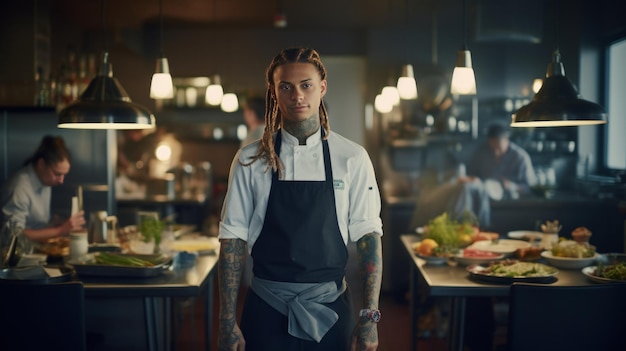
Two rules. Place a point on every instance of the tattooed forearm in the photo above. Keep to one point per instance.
(370, 262)
(230, 267)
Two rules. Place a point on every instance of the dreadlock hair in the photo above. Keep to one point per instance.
(273, 116)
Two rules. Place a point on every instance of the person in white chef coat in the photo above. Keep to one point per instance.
(295, 198)
(25, 198)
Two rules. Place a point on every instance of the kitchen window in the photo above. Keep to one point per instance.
(616, 106)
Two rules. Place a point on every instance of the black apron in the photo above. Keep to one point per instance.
(300, 242)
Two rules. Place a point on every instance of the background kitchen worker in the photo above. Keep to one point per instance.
(25, 198)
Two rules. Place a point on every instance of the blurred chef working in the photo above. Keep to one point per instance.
(25, 198)
(498, 169)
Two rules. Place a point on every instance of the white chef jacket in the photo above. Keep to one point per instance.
(25, 200)
(357, 197)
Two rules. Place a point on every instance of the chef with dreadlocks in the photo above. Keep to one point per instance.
(295, 198)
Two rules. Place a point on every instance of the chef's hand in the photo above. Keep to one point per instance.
(467, 179)
(365, 336)
(231, 340)
(75, 222)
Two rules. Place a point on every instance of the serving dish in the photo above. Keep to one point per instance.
(604, 261)
(433, 260)
(469, 257)
(590, 272)
(87, 266)
(568, 262)
(531, 272)
(36, 274)
(528, 235)
(503, 246)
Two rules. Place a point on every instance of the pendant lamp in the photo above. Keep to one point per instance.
(406, 85)
(161, 86)
(557, 103)
(214, 92)
(229, 103)
(463, 79)
(105, 104)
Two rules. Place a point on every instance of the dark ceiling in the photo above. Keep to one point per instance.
(301, 15)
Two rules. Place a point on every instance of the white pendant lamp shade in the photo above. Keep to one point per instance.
(229, 103)
(214, 92)
(382, 105)
(463, 79)
(105, 105)
(390, 93)
(407, 87)
(162, 86)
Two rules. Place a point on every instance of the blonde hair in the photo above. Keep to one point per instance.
(273, 116)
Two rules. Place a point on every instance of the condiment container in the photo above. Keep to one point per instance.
(79, 245)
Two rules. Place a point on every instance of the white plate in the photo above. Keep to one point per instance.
(483, 273)
(525, 235)
(590, 273)
(467, 261)
(434, 260)
(568, 262)
(502, 246)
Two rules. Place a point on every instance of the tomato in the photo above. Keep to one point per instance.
(478, 253)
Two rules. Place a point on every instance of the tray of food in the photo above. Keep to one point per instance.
(114, 264)
(509, 271)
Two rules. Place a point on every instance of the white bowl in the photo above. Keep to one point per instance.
(568, 262)
(503, 246)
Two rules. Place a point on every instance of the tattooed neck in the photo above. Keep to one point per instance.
(304, 129)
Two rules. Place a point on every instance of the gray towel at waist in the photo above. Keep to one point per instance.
(302, 303)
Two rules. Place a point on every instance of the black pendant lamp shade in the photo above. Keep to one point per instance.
(105, 105)
(557, 103)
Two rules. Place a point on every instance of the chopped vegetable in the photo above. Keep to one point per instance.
(614, 271)
(113, 259)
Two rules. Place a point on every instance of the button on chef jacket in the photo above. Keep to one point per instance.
(357, 197)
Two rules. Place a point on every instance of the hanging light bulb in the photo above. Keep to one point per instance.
(161, 86)
(407, 87)
(229, 103)
(382, 105)
(463, 80)
(391, 94)
(214, 92)
(537, 83)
